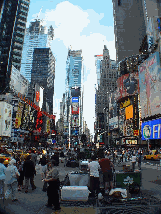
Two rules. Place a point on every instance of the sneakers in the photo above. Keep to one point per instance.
(56, 209)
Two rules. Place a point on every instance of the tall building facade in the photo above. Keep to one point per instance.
(73, 97)
(43, 73)
(13, 17)
(108, 84)
(129, 27)
(36, 36)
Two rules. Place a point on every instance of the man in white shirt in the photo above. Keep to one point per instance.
(133, 161)
(94, 168)
(11, 179)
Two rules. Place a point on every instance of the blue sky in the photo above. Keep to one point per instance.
(86, 25)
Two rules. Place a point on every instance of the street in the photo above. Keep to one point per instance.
(34, 201)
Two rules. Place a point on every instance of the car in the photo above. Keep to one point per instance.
(5, 156)
(153, 155)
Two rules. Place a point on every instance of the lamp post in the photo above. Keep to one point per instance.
(108, 115)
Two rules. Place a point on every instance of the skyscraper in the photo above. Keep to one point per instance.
(129, 27)
(36, 36)
(13, 17)
(73, 106)
(43, 73)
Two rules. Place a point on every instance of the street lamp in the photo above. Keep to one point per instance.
(108, 115)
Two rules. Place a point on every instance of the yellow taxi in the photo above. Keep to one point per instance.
(22, 153)
(153, 155)
(6, 157)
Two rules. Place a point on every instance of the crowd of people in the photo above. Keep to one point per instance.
(20, 171)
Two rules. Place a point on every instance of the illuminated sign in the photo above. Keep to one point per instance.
(75, 99)
(35, 106)
(125, 104)
(151, 129)
(37, 96)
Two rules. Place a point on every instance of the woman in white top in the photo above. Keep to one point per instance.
(2, 176)
(12, 175)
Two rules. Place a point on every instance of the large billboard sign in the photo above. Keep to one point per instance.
(151, 129)
(127, 85)
(5, 119)
(150, 86)
(113, 118)
(75, 99)
(75, 108)
(75, 120)
(18, 82)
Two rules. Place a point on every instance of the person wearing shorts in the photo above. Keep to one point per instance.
(106, 167)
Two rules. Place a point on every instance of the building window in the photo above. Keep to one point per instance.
(119, 2)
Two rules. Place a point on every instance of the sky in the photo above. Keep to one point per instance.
(86, 25)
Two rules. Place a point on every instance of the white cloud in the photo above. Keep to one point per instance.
(82, 30)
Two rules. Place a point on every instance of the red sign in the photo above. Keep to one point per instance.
(37, 96)
(136, 132)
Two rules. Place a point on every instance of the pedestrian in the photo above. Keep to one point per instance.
(34, 157)
(2, 176)
(139, 160)
(106, 167)
(43, 162)
(94, 175)
(29, 172)
(21, 177)
(12, 175)
(114, 156)
(133, 161)
(52, 178)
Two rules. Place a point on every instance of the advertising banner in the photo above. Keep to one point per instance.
(75, 92)
(113, 123)
(75, 99)
(25, 117)
(75, 108)
(19, 115)
(5, 119)
(112, 105)
(150, 86)
(127, 85)
(18, 82)
(151, 129)
(75, 121)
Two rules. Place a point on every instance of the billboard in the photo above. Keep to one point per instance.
(75, 120)
(150, 86)
(75, 92)
(113, 118)
(75, 108)
(18, 119)
(127, 85)
(151, 129)
(5, 119)
(75, 99)
(18, 82)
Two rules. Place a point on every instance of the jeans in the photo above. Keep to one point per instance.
(139, 165)
(133, 166)
(2, 188)
(31, 182)
(11, 188)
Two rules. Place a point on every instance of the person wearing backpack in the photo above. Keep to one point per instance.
(12, 175)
